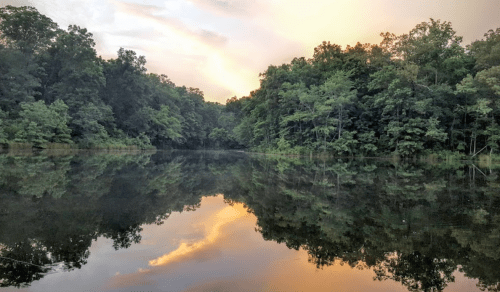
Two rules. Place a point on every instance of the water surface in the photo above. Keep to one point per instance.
(225, 221)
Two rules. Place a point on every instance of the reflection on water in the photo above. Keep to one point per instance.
(205, 248)
(213, 225)
(158, 222)
(228, 255)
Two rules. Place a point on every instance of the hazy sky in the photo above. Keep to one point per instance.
(221, 46)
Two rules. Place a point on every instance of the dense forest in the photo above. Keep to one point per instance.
(412, 94)
(55, 89)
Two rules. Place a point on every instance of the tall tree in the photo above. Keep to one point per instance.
(24, 28)
(486, 51)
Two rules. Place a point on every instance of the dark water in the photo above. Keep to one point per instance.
(215, 221)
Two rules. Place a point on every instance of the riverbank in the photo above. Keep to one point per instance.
(427, 156)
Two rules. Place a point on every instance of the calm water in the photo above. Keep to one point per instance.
(215, 221)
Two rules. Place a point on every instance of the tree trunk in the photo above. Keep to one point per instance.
(470, 145)
(475, 139)
(340, 121)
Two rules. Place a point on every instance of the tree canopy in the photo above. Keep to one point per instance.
(55, 89)
(412, 93)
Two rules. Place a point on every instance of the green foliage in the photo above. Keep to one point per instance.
(490, 78)
(434, 47)
(40, 124)
(166, 126)
(73, 72)
(107, 103)
(3, 135)
(18, 79)
(486, 51)
(26, 29)
(416, 92)
(413, 93)
(434, 132)
(219, 137)
(88, 124)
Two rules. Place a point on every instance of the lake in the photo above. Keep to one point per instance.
(230, 221)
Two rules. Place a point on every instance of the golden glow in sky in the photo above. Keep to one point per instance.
(221, 46)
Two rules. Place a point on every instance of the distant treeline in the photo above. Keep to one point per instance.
(414, 93)
(55, 89)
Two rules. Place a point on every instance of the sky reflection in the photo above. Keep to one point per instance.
(229, 255)
(214, 248)
(213, 225)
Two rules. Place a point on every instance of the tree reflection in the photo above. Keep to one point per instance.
(416, 271)
(411, 223)
(415, 224)
(23, 263)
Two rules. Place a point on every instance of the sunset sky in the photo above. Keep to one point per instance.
(221, 46)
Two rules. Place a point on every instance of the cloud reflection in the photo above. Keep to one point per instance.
(213, 225)
(217, 221)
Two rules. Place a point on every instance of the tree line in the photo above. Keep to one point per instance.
(413, 93)
(55, 89)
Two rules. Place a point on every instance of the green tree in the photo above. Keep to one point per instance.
(486, 51)
(73, 71)
(40, 124)
(25, 37)
(89, 123)
(340, 94)
(159, 125)
(126, 88)
(19, 81)
(435, 48)
(24, 28)
(3, 135)
(219, 137)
